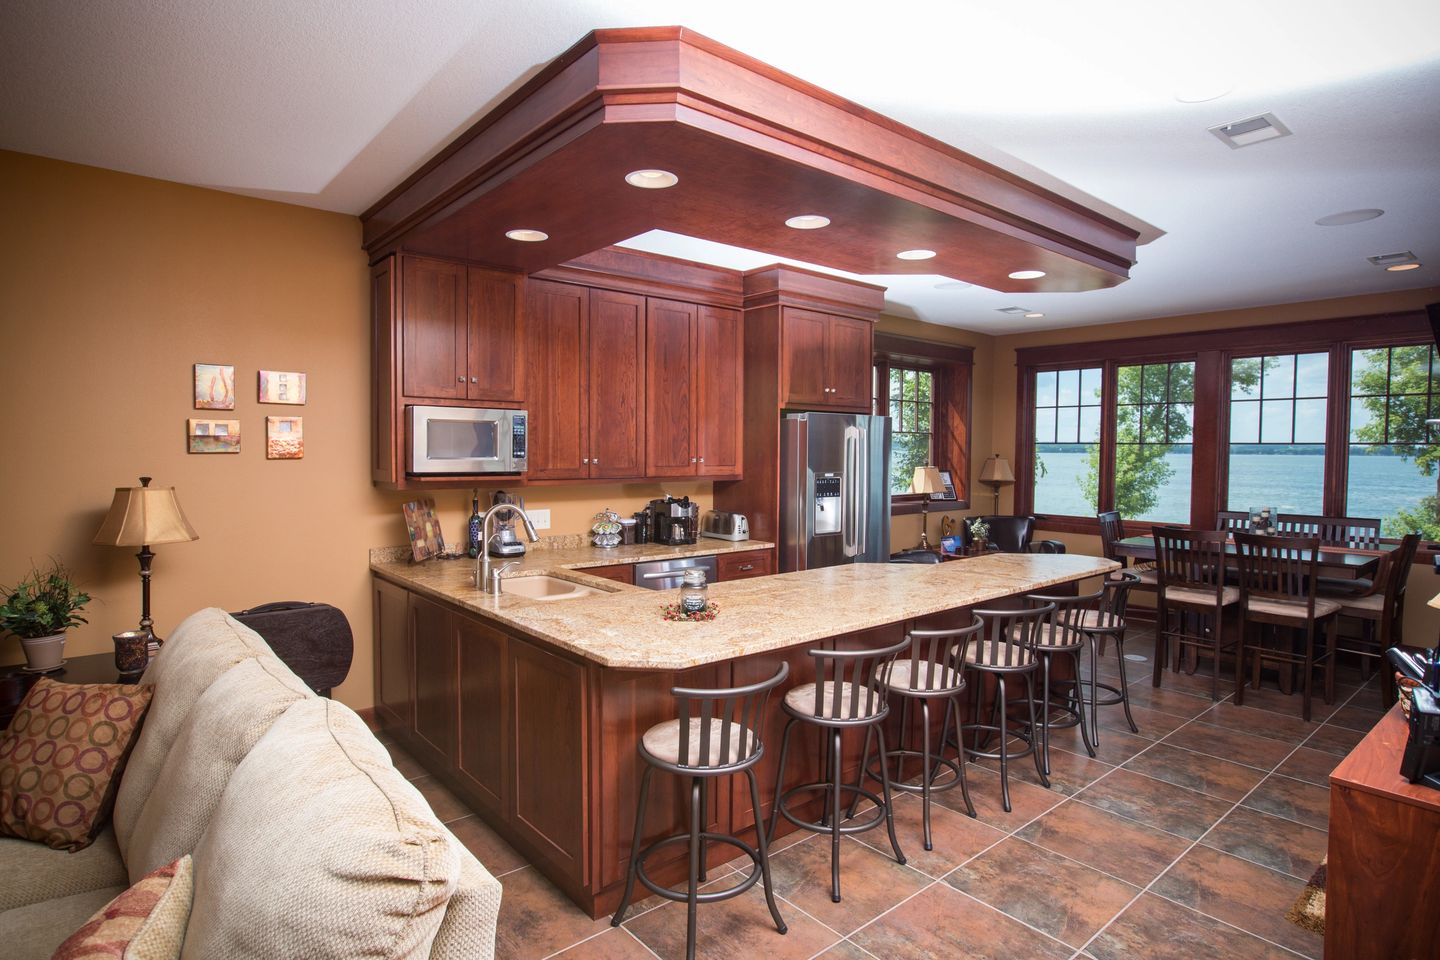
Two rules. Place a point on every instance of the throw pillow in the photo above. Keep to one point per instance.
(146, 922)
(60, 759)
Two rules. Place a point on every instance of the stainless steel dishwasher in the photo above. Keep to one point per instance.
(666, 574)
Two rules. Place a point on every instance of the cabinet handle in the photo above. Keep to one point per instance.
(747, 566)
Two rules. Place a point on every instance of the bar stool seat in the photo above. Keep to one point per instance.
(852, 704)
(1371, 605)
(904, 677)
(1201, 598)
(1292, 609)
(987, 652)
(662, 741)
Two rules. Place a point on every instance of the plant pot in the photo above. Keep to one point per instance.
(43, 653)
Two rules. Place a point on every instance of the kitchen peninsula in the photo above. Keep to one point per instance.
(531, 710)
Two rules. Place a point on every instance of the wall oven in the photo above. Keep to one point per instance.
(465, 441)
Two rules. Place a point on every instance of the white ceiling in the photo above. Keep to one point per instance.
(331, 103)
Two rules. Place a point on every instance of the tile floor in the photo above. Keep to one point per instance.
(1189, 839)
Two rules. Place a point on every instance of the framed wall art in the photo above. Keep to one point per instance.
(426, 541)
(214, 386)
(282, 386)
(284, 438)
(213, 436)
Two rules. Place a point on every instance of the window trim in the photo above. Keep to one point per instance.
(952, 393)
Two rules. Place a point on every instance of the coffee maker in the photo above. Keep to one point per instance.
(674, 521)
(503, 542)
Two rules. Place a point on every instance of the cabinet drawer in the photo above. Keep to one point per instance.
(752, 563)
(620, 572)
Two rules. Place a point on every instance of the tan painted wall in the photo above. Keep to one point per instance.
(111, 286)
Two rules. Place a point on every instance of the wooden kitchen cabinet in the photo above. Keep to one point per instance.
(615, 347)
(720, 392)
(742, 566)
(826, 360)
(436, 697)
(694, 390)
(394, 668)
(557, 316)
(483, 704)
(462, 331)
(495, 330)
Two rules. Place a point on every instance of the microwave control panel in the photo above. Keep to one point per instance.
(517, 436)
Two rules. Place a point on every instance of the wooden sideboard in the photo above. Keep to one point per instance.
(1383, 874)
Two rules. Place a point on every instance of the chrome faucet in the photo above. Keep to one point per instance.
(487, 581)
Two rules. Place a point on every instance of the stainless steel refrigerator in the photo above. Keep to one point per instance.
(834, 490)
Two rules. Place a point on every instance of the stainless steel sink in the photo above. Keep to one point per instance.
(544, 588)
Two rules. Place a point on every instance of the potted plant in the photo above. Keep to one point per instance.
(979, 533)
(39, 609)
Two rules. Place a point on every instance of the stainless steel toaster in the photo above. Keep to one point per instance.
(724, 526)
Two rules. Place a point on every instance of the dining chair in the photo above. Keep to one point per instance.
(1360, 533)
(1112, 531)
(1383, 606)
(1277, 588)
(1191, 587)
(1233, 520)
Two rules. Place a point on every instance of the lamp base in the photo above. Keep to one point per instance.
(924, 543)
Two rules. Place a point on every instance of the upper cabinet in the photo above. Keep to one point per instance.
(720, 392)
(694, 384)
(461, 332)
(825, 359)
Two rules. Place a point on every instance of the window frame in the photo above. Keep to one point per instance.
(951, 366)
(1212, 352)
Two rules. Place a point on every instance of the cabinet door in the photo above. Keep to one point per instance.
(742, 566)
(849, 360)
(483, 686)
(547, 706)
(394, 695)
(670, 329)
(434, 323)
(804, 380)
(616, 345)
(495, 332)
(720, 392)
(556, 315)
(436, 693)
(386, 429)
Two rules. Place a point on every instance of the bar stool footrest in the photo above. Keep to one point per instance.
(711, 896)
(873, 772)
(816, 826)
(975, 752)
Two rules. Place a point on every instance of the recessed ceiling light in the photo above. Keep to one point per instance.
(1347, 217)
(915, 254)
(527, 236)
(1251, 130)
(808, 221)
(1398, 267)
(1027, 274)
(1034, 315)
(953, 285)
(1395, 262)
(651, 179)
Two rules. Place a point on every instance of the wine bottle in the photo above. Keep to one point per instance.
(475, 524)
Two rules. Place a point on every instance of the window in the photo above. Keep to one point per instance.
(911, 398)
(1277, 432)
(1154, 425)
(1391, 469)
(1067, 441)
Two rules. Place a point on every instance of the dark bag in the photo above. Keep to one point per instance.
(313, 639)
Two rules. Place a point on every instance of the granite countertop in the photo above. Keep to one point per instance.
(622, 626)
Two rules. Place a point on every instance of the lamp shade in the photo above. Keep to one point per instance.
(927, 480)
(143, 515)
(996, 470)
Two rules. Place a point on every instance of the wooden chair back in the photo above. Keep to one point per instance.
(1278, 568)
(1358, 532)
(1396, 575)
(1192, 559)
(1233, 520)
(740, 712)
(1112, 531)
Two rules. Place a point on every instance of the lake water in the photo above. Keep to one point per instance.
(1379, 485)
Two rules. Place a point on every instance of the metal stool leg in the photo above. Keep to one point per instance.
(635, 847)
(953, 704)
(697, 804)
(763, 849)
(1082, 721)
(927, 772)
(779, 779)
(704, 822)
(889, 800)
(1124, 683)
(1005, 740)
(835, 813)
(1042, 753)
(864, 768)
(1041, 767)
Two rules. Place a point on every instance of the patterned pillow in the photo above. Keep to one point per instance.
(146, 922)
(61, 757)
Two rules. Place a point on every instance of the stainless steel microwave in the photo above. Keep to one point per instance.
(466, 440)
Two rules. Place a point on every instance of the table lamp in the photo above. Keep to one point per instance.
(138, 517)
(927, 481)
(996, 472)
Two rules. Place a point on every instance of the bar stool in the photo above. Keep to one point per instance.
(1006, 648)
(849, 693)
(1108, 623)
(1063, 635)
(1192, 585)
(715, 736)
(928, 670)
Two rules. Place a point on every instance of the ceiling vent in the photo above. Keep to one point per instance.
(1243, 133)
(1013, 311)
(1388, 260)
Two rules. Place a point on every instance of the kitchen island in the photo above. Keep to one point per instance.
(531, 710)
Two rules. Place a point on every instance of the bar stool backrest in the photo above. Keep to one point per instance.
(1280, 568)
(1233, 520)
(1009, 637)
(738, 711)
(932, 652)
(1358, 532)
(837, 671)
(1192, 559)
(1070, 612)
(1117, 598)
(1112, 531)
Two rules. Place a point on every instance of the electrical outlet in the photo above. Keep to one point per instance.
(541, 519)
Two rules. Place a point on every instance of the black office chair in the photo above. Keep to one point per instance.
(1013, 535)
(915, 556)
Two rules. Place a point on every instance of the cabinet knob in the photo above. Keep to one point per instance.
(586, 460)
(692, 459)
(595, 462)
(702, 459)
(474, 379)
(459, 379)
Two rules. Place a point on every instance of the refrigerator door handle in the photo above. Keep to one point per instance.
(850, 504)
(862, 490)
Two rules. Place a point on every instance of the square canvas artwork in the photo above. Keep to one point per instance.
(280, 386)
(214, 386)
(214, 436)
(284, 438)
(423, 526)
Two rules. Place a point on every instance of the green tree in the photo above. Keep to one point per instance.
(1407, 388)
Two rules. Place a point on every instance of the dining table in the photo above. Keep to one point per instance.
(1347, 562)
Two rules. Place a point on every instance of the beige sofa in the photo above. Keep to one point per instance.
(306, 840)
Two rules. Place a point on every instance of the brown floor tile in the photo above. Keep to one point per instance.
(1361, 714)
(1156, 803)
(1131, 851)
(536, 919)
(1157, 929)
(1069, 772)
(870, 882)
(1196, 771)
(844, 950)
(1153, 724)
(610, 945)
(1164, 700)
(1077, 900)
(445, 804)
(1027, 801)
(1197, 683)
(1116, 746)
(408, 766)
(1282, 845)
(494, 853)
(737, 929)
(1312, 766)
(956, 836)
(1230, 745)
(1248, 896)
(1292, 799)
(1336, 740)
(942, 922)
(1261, 723)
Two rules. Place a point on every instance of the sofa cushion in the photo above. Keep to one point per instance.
(318, 841)
(468, 930)
(144, 922)
(204, 646)
(33, 872)
(224, 725)
(32, 932)
(61, 757)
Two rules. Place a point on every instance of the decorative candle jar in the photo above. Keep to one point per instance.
(1262, 520)
(694, 591)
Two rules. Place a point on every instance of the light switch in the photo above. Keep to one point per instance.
(541, 519)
